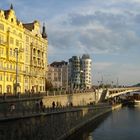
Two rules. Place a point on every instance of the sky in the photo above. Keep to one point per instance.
(107, 30)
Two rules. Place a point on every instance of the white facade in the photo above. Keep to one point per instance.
(80, 72)
(86, 78)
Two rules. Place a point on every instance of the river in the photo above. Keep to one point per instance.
(121, 124)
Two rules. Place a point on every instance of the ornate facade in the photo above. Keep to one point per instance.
(23, 54)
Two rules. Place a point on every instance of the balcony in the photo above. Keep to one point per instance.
(11, 70)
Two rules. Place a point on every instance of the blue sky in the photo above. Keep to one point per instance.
(108, 30)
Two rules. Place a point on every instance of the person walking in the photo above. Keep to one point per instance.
(42, 107)
(53, 104)
(12, 108)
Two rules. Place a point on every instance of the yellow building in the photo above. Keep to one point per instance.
(23, 54)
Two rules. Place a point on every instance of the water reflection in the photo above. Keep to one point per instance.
(90, 137)
(87, 136)
(122, 124)
(86, 133)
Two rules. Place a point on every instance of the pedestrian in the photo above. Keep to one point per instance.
(71, 104)
(57, 104)
(41, 105)
(12, 107)
(37, 106)
(53, 104)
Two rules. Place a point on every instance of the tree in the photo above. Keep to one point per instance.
(48, 85)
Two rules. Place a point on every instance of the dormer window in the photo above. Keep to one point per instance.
(12, 19)
(1, 27)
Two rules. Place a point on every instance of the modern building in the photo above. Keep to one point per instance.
(74, 72)
(57, 74)
(23, 54)
(80, 72)
(86, 67)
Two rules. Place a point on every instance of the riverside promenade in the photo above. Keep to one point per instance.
(22, 117)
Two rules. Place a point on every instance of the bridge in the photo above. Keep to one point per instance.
(64, 98)
(115, 92)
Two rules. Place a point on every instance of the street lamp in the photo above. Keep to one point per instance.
(17, 51)
(81, 79)
(16, 82)
(112, 84)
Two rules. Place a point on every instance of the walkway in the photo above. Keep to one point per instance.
(7, 114)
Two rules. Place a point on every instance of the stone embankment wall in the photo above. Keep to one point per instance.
(56, 125)
(28, 104)
(77, 99)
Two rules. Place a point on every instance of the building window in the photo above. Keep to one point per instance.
(1, 51)
(26, 80)
(1, 64)
(10, 66)
(20, 56)
(11, 51)
(20, 35)
(14, 53)
(7, 66)
(10, 77)
(12, 19)
(1, 38)
(7, 78)
(20, 44)
(11, 40)
(14, 32)
(19, 79)
(0, 89)
(1, 27)
(40, 88)
(0, 77)
(27, 39)
(26, 59)
(17, 43)
(26, 48)
(19, 68)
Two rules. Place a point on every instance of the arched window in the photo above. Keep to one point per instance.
(9, 89)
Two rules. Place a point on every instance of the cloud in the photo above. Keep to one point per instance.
(97, 32)
(103, 29)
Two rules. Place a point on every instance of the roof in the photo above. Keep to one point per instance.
(57, 64)
(85, 56)
(6, 13)
(29, 26)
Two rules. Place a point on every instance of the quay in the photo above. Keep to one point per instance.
(29, 122)
(51, 124)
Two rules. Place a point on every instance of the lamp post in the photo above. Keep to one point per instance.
(112, 84)
(16, 82)
(17, 51)
(81, 79)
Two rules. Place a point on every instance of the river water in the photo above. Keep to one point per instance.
(121, 124)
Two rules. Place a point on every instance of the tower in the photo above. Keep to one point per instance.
(44, 35)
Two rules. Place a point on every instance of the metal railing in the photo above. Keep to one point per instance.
(30, 95)
(7, 112)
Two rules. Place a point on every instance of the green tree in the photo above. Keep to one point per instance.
(48, 85)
